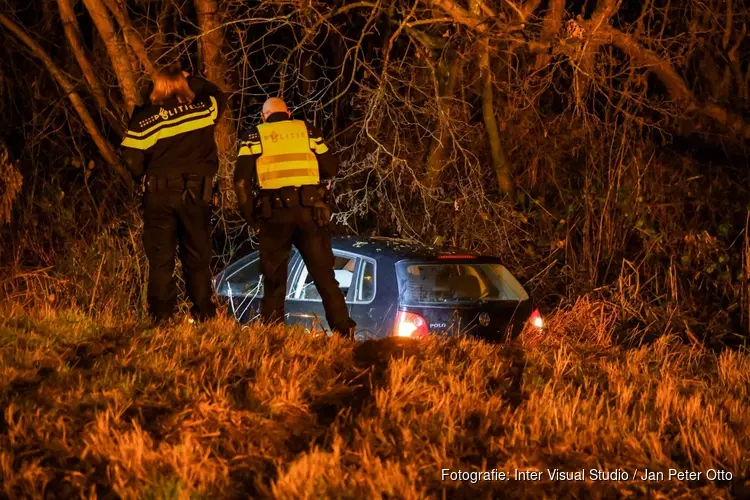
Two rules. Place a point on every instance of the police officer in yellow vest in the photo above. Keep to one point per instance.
(278, 182)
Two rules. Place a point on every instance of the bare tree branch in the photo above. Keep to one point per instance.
(674, 83)
(116, 51)
(605, 9)
(73, 34)
(488, 11)
(529, 7)
(105, 148)
(132, 37)
(459, 14)
(553, 19)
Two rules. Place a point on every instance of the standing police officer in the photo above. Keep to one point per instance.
(282, 161)
(170, 140)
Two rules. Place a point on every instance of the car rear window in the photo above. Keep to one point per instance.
(442, 283)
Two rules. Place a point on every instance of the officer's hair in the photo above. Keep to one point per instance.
(170, 82)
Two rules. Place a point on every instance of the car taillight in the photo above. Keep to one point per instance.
(536, 319)
(455, 256)
(411, 325)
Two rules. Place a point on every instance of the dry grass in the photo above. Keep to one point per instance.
(11, 182)
(98, 408)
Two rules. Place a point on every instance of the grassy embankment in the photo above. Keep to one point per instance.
(106, 409)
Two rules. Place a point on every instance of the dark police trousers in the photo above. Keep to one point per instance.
(173, 216)
(295, 226)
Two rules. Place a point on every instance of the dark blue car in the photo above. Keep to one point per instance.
(395, 287)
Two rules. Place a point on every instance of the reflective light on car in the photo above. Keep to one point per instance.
(411, 325)
(536, 319)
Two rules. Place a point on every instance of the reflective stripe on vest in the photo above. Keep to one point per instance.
(286, 159)
(171, 127)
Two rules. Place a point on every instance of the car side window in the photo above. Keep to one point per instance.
(349, 271)
(296, 265)
(244, 276)
(366, 284)
(245, 279)
(343, 270)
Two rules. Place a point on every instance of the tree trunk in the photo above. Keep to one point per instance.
(500, 164)
(747, 270)
(551, 26)
(337, 51)
(116, 51)
(502, 170)
(73, 34)
(448, 76)
(215, 69)
(132, 37)
(105, 148)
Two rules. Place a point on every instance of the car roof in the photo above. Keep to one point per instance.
(394, 248)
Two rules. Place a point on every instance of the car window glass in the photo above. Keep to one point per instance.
(454, 283)
(244, 276)
(295, 266)
(246, 279)
(366, 288)
(343, 271)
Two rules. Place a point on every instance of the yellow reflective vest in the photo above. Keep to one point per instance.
(286, 158)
